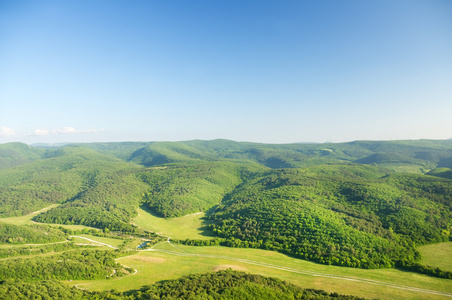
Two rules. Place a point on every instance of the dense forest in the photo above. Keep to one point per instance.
(181, 189)
(220, 285)
(14, 234)
(71, 265)
(41, 249)
(346, 215)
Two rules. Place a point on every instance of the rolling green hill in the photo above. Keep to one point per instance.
(345, 204)
(14, 154)
(220, 285)
(421, 154)
(14, 234)
(348, 215)
(177, 190)
(94, 189)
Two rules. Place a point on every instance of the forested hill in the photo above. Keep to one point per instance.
(14, 154)
(408, 155)
(94, 189)
(361, 204)
(350, 215)
(416, 155)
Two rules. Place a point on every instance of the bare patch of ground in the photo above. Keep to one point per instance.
(150, 259)
(225, 267)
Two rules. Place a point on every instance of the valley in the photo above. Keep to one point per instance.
(367, 219)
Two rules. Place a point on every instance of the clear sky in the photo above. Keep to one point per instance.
(261, 71)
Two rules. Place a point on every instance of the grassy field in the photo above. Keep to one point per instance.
(23, 220)
(437, 255)
(153, 266)
(190, 226)
(156, 266)
(100, 239)
(26, 220)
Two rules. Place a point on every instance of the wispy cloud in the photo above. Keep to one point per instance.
(69, 129)
(65, 130)
(7, 131)
(41, 132)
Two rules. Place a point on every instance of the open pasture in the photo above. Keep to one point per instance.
(172, 263)
(437, 255)
(190, 226)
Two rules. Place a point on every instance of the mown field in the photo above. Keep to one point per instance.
(191, 226)
(27, 220)
(437, 255)
(154, 266)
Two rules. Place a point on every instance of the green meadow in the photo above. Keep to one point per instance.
(153, 266)
(191, 226)
(91, 239)
(27, 220)
(437, 255)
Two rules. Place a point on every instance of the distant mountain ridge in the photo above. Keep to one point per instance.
(426, 154)
(421, 154)
(14, 154)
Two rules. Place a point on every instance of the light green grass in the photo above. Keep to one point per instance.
(437, 255)
(405, 168)
(157, 266)
(105, 240)
(8, 246)
(190, 226)
(27, 220)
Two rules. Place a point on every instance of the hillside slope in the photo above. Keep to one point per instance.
(348, 215)
(14, 154)
(95, 189)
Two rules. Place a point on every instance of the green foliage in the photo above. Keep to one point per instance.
(15, 234)
(64, 175)
(35, 250)
(169, 152)
(231, 285)
(423, 154)
(437, 255)
(45, 290)
(423, 269)
(122, 150)
(97, 190)
(109, 203)
(220, 285)
(182, 189)
(331, 210)
(14, 154)
(72, 265)
(441, 172)
(341, 215)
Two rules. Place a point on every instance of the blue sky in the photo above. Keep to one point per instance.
(262, 71)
